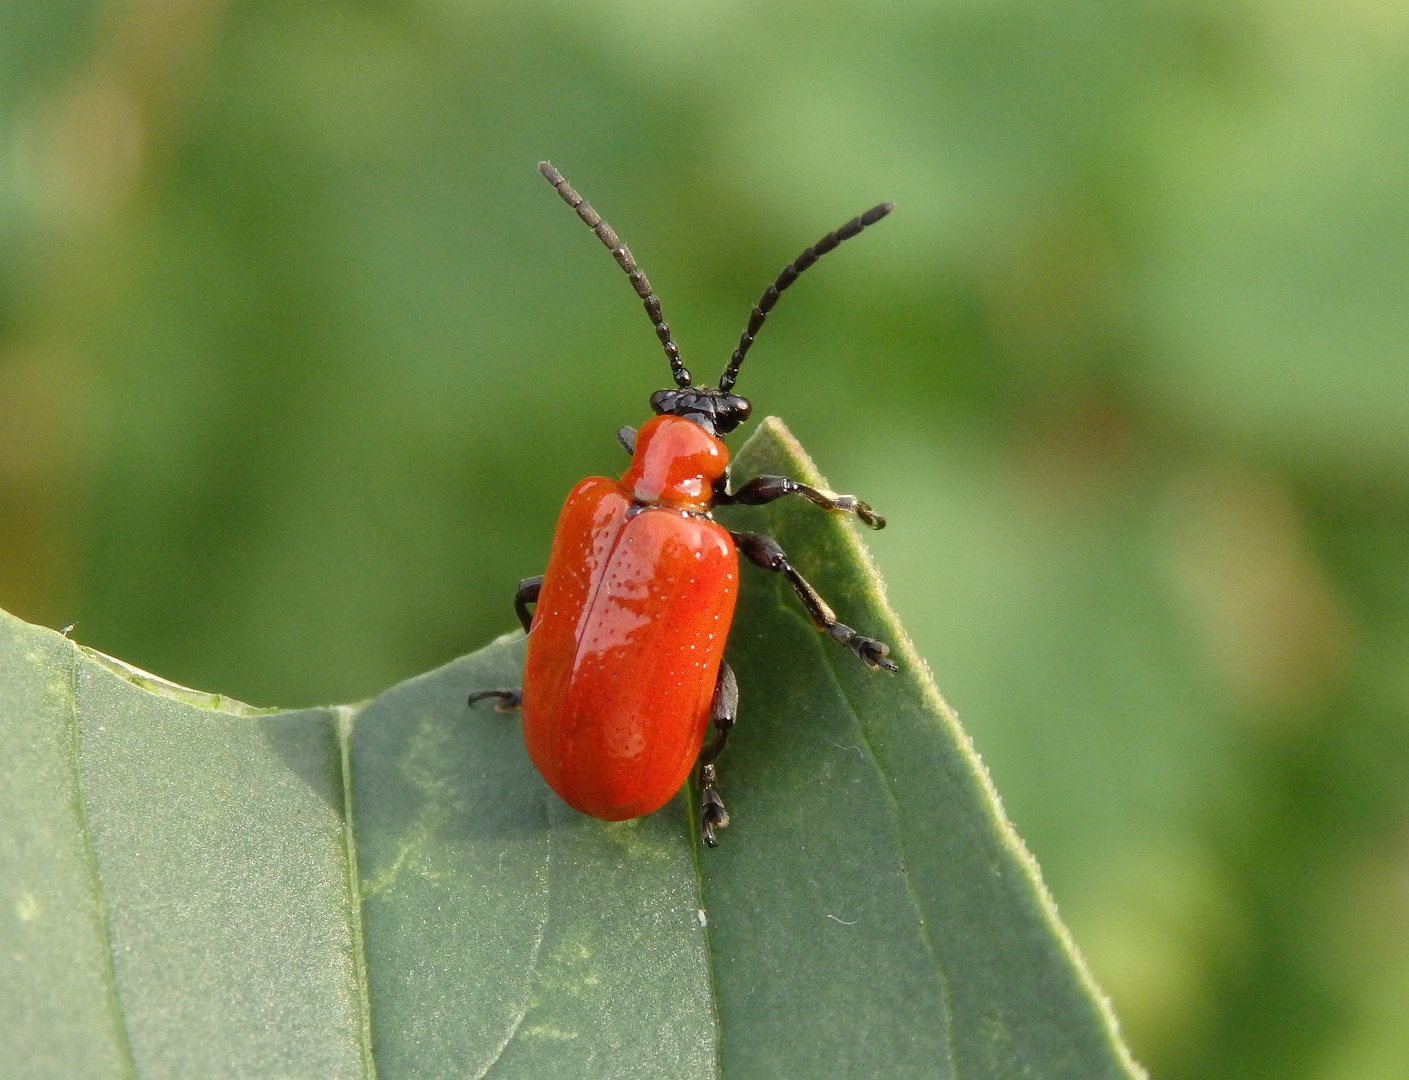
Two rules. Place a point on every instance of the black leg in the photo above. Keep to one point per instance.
(627, 437)
(527, 594)
(722, 712)
(509, 700)
(764, 489)
(764, 551)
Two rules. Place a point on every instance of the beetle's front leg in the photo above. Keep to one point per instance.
(764, 489)
(722, 711)
(764, 551)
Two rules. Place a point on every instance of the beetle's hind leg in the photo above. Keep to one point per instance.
(764, 551)
(722, 712)
(509, 700)
(527, 593)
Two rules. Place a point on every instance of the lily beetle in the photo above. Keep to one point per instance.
(625, 665)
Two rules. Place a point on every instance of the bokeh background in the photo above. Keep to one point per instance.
(298, 356)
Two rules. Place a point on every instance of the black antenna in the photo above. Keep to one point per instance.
(786, 278)
(622, 254)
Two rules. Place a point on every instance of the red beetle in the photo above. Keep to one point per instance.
(625, 663)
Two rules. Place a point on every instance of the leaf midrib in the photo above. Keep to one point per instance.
(829, 660)
(90, 853)
(345, 717)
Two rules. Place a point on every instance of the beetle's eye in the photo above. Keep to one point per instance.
(742, 408)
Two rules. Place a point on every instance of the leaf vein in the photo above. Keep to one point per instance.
(710, 975)
(346, 717)
(532, 975)
(828, 660)
(91, 853)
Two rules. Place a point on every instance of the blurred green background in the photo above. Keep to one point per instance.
(298, 356)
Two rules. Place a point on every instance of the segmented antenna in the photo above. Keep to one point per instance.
(790, 272)
(622, 254)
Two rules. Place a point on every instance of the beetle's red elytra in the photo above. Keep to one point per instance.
(625, 669)
(629, 630)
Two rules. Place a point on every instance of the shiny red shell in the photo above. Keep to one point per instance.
(630, 625)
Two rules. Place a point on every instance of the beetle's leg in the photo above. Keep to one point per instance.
(527, 594)
(764, 489)
(509, 700)
(627, 437)
(764, 551)
(722, 712)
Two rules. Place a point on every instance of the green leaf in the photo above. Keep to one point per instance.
(192, 887)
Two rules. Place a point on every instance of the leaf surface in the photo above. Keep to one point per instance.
(195, 887)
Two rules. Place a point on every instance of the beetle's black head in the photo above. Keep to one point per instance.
(717, 411)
